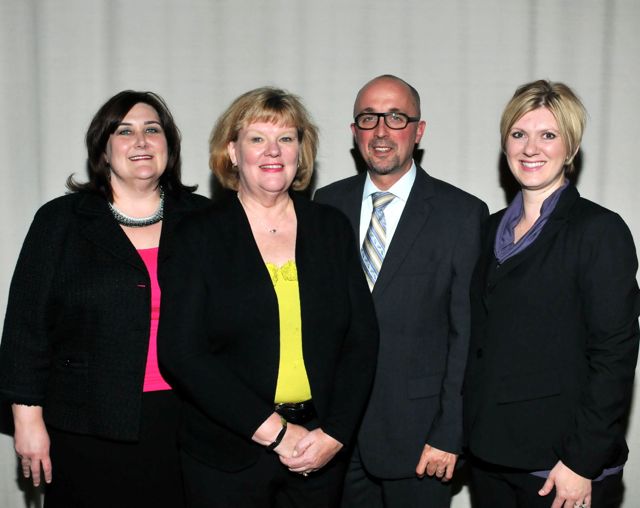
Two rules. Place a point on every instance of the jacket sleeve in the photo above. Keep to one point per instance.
(446, 430)
(25, 351)
(610, 298)
(356, 365)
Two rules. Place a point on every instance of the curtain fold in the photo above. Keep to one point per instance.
(59, 61)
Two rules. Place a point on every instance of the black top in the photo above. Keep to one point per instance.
(554, 344)
(219, 334)
(76, 330)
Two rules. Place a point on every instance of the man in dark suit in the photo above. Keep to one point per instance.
(419, 247)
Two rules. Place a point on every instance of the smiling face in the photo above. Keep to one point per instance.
(387, 152)
(536, 152)
(137, 150)
(267, 157)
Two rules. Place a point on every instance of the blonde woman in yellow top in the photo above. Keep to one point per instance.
(271, 335)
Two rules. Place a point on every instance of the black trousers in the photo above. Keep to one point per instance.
(494, 486)
(265, 484)
(362, 490)
(90, 472)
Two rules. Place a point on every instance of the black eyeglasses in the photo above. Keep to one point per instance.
(393, 120)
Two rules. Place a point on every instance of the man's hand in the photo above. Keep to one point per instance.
(436, 462)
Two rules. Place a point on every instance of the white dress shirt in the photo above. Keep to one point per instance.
(393, 210)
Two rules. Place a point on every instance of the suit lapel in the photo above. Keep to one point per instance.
(309, 256)
(353, 203)
(253, 265)
(414, 216)
(556, 222)
(174, 210)
(99, 227)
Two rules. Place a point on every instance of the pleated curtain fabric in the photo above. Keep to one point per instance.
(460, 56)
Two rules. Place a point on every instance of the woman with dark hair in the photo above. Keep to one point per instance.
(554, 330)
(93, 414)
(273, 338)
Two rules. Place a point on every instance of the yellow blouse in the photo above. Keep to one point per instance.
(293, 383)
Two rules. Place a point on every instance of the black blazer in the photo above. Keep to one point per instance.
(76, 331)
(219, 334)
(422, 304)
(554, 344)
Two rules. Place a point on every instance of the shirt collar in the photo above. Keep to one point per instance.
(400, 189)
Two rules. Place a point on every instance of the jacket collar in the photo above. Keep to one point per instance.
(414, 216)
(353, 201)
(98, 225)
(557, 220)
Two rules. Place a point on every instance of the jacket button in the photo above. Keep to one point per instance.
(479, 352)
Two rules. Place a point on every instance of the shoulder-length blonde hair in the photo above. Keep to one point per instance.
(558, 98)
(266, 104)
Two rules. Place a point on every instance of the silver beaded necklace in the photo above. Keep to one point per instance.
(139, 222)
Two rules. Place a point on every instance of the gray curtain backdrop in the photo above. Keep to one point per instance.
(61, 59)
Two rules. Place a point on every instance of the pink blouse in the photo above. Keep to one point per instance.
(153, 380)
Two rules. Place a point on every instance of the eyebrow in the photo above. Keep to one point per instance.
(146, 122)
(253, 130)
(514, 128)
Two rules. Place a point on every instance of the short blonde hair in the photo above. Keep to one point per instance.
(266, 104)
(558, 98)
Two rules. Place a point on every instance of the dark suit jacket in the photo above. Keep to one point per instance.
(76, 331)
(219, 334)
(422, 304)
(554, 344)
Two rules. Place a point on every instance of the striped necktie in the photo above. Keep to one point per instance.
(374, 245)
